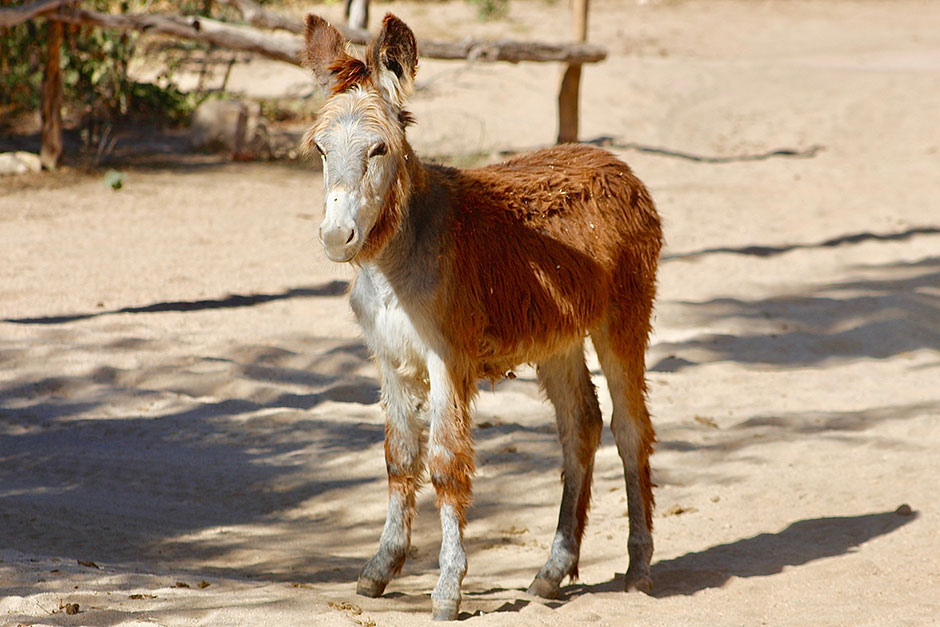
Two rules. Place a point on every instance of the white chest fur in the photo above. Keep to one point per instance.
(389, 330)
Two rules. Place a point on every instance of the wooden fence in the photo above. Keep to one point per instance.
(250, 37)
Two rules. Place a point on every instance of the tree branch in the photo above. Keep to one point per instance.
(11, 16)
(231, 36)
(473, 49)
(256, 15)
(288, 48)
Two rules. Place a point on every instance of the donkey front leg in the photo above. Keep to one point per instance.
(404, 461)
(567, 383)
(451, 465)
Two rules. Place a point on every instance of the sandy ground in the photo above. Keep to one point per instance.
(189, 431)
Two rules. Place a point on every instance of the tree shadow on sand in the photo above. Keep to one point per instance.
(758, 250)
(171, 464)
(333, 288)
(866, 318)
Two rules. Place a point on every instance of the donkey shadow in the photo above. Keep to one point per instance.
(801, 542)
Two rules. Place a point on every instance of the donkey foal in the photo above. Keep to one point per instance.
(465, 274)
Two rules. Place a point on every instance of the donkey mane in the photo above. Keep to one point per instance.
(348, 73)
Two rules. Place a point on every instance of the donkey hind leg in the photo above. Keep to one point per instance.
(404, 460)
(567, 384)
(451, 465)
(620, 350)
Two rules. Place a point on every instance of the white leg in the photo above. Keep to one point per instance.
(404, 460)
(445, 599)
(450, 461)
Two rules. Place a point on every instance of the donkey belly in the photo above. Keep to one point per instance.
(543, 310)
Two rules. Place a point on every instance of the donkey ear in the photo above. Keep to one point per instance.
(325, 49)
(393, 60)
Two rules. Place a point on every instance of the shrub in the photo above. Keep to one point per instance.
(96, 85)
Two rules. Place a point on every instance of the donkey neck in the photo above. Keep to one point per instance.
(411, 250)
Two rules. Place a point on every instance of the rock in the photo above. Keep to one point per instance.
(19, 163)
(235, 126)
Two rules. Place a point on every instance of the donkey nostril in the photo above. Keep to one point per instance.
(352, 234)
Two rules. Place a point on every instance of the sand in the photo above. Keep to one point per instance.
(189, 428)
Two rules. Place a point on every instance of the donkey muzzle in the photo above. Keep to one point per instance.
(339, 234)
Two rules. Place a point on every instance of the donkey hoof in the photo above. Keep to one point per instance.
(544, 588)
(444, 610)
(370, 587)
(641, 583)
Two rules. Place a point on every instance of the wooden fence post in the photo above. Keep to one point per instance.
(51, 150)
(571, 81)
(357, 14)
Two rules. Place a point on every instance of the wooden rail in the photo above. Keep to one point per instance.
(287, 47)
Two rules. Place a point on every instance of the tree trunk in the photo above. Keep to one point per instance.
(51, 150)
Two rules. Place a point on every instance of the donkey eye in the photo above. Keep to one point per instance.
(379, 149)
(319, 150)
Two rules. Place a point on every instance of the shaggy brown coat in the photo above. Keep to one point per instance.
(494, 267)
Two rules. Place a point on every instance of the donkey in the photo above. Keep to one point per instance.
(465, 274)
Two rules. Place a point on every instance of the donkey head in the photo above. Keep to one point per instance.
(360, 135)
